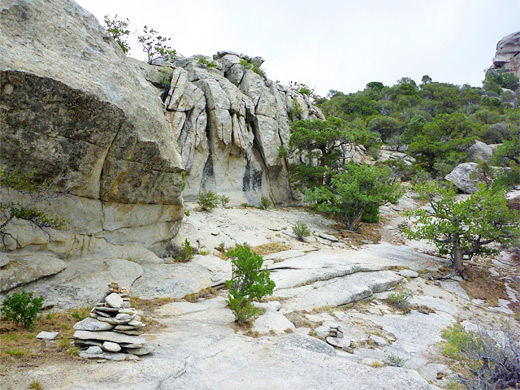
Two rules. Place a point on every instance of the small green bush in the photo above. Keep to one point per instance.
(208, 64)
(400, 300)
(394, 360)
(265, 203)
(224, 200)
(248, 282)
(301, 230)
(21, 308)
(186, 252)
(208, 200)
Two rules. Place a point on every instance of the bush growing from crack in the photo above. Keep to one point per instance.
(248, 282)
(30, 192)
(400, 300)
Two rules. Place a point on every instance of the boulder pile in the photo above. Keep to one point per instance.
(112, 331)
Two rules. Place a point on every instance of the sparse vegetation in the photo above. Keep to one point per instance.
(400, 300)
(155, 46)
(208, 200)
(485, 359)
(265, 203)
(224, 200)
(208, 64)
(35, 385)
(394, 360)
(185, 252)
(21, 308)
(118, 29)
(248, 282)
(30, 193)
(301, 230)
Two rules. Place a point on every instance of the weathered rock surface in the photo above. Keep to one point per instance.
(507, 56)
(82, 281)
(337, 291)
(467, 176)
(480, 151)
(179, 279)
(74, 109)
(27, 268)
(230, 122)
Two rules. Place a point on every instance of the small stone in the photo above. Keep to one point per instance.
(135, 323)
(47, 335)
(128, 332)
(140, 351)
(114, 300)
(129, 311)
(408, 273)
(379, 341)
(343, 342)
(110, 320)
(94, 350)
(92, 324)
(106, 309)
(123, 318)
(328, 237)
(111, 347)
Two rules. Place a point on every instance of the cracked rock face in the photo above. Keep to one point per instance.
(507, 56)
(75, 110)
(230, 123)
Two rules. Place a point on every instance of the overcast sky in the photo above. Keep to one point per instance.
(333, 44)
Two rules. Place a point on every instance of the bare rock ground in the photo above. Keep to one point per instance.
(322, 284)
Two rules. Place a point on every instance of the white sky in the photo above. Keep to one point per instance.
(333, 44)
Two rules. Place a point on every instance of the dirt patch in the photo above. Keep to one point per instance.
(19, 346)
(367, 233)
(482, 285)
(271, 247)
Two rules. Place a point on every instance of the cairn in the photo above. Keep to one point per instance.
(112, 331)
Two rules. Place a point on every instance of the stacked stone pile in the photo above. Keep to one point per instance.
(112, 331)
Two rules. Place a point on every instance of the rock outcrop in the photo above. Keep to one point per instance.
(74, 109)
(230, 121)
(507, 56)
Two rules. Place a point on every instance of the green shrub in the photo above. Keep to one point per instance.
(400, 300)
(301, 230)
(394, 360)
(208, 200)
(265, 203)
(489, 360)
(21, 308)
(224, 200)
(248, 282)
(186, 252)
(208, 64)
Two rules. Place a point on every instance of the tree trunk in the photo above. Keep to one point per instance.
(457, 259)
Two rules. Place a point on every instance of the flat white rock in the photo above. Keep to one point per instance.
(114, 300)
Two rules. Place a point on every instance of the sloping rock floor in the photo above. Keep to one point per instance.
(199, 347)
